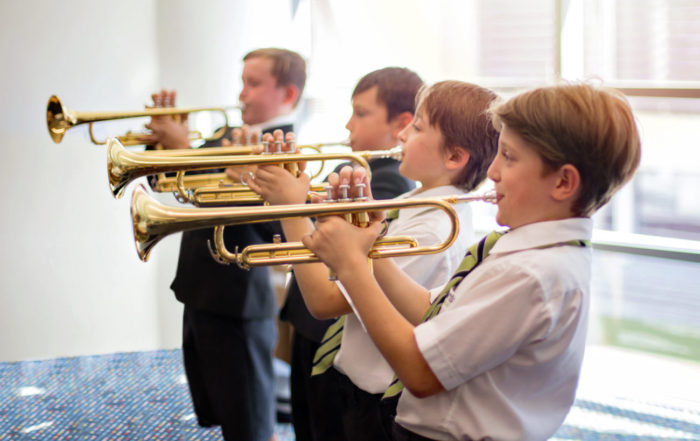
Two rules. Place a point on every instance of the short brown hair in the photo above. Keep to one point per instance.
(288, 67)
(396, 89)
(460, 111)
(591, 128)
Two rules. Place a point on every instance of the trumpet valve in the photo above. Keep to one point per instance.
(360, 190)
(363, 217)
(329, 193)
(344, 189)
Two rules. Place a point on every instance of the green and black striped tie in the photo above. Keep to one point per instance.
(475, 255)
(330, 344)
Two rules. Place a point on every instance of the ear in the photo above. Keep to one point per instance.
(291, 92)
(567, 184)
(457, 158)
(399, 122)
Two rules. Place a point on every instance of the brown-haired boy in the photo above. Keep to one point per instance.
(496, 353)
(383, 104)
(229, 329)
(447, 148)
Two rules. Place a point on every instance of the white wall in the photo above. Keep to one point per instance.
(70, 279)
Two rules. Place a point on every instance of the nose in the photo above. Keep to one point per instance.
(348, 125)
(492, 172)
(403, 133)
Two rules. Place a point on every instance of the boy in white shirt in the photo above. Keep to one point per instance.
(496, 354)
(447, 148)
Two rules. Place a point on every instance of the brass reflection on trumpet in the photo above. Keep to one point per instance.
(59, 120)
(219, 188)
(124, 166)
(152, 221)
(224, 194)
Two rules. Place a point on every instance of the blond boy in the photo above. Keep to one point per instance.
(498, 355)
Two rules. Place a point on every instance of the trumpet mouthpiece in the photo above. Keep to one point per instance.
(490, 196)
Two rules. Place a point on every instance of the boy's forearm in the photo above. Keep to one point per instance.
(391, 332)
(322, 297)
(407, 296)
(295, 229)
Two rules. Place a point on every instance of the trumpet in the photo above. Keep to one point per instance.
(152, 221)
(223, 194)
(60, 119)
(216, 180)
(124, 166)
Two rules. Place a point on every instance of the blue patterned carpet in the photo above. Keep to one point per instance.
(144, 396)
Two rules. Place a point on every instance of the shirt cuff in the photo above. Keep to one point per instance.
(436, 356)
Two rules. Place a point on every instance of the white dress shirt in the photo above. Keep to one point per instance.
(508, 345)
(358, 357)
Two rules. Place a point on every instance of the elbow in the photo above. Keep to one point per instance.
(424, 385)
(321, 313)
(424, 391)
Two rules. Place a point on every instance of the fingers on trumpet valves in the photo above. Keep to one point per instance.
(247, 177)
(342, 193)
(362, 218)
(236, 136)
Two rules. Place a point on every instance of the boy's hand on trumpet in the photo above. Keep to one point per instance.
(171, 132)
(276, 184)
(358, 187)
(337, 242)
(242, 136)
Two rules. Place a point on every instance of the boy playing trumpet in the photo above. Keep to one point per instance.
(447, 148)
(496, 353)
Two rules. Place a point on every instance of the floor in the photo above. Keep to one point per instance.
(623, 395)
(640, 379)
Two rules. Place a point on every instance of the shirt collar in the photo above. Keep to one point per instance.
(444, 190)
(281, 120)
(545, 233)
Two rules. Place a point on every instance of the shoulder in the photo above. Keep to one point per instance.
(537, 275)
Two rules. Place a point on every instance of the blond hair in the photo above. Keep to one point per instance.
(591, 128)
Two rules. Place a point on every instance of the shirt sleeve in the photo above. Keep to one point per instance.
(428, 228)
(490, 318)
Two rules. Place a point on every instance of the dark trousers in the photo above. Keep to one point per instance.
(399, 433)
(315, 402)
(362, 413)
(228, 363)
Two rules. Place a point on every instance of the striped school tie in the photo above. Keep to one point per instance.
(330, 343)
(475, 255)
